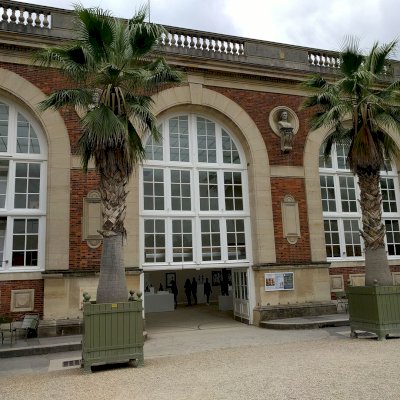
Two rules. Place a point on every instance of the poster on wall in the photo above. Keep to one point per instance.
(279, 281)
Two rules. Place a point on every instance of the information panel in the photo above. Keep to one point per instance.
(279, 281)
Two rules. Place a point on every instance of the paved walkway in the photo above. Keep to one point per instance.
(209, 355)
(185, 331)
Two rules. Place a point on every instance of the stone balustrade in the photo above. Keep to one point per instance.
(323, 59)
(204, 41)
(25, 14)
(55, 24)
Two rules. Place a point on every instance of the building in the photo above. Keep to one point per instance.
(236, 191)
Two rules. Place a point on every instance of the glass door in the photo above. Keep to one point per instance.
(241, 306)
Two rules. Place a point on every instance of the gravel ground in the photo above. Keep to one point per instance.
(319, 369)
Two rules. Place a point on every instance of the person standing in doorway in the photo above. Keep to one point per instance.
(194, 290)
(174, 290)
(188, 292)
(207, 290)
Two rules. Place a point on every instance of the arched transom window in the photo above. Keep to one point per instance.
(194, 196)
(341, 208)
(23, 155)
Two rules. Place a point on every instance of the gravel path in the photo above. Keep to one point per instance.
(328, 368)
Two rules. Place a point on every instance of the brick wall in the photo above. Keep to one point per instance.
(286, 252)
(259, 105)
(81, 256)
(7, 286)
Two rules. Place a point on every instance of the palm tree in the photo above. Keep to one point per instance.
(359, 108)
(112, 74)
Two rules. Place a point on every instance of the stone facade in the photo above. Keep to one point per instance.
(238, 87)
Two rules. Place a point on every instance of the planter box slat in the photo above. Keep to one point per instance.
(374, 309)
(113, 332)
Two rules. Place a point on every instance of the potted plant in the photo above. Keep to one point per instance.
(360, 107)
(112, 74)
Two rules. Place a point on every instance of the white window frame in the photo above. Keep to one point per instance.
(11, 213)
(196, 215)
(341, 216)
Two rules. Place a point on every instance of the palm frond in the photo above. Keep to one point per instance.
(67, 97)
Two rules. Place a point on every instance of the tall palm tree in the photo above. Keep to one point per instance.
(112, 74)
(365, 94)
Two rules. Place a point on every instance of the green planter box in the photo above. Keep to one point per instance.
(374, 309)
(113, 333)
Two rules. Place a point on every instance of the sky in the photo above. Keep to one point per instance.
(321, 24)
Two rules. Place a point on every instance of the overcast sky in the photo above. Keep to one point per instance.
(311, 23)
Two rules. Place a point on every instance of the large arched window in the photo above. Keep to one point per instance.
(194, 196)
(23, 155)
(341, 209)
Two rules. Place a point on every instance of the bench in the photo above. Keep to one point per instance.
(28, 327)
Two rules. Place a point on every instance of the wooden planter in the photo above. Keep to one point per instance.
(113, 333)
(374, 309)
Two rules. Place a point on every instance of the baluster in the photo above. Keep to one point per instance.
(216, 46)
(212, 44)
(192, 43)
(173, 41)
(4, 16)
(13, 17)
(235, 49)
(168, 39)
(21, 18)
(29, 20)
(229, 48)
(204, 44)
(37, 19)
(241, 49)
(321, 62)
(179, 42)
(198, 44)
(223, 46)
(186, 42)
(46, 22)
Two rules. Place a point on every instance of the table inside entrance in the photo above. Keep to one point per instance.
(159, 302)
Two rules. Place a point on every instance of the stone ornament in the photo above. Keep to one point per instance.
(285, 124)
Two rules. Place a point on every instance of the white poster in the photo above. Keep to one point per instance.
(279, 281)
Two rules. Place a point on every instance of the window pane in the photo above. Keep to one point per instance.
(25, 242)
(3, 127)
(3, 182)
(154, 240)
(206, 143)
(27, 141)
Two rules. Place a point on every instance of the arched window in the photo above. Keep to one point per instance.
(23, 155)
(194, 196)
(341, 209)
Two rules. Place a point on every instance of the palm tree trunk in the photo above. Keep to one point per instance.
(377, 269)
(112, 281)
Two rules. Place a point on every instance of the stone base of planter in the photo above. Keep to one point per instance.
(374, 309)
(113, 333)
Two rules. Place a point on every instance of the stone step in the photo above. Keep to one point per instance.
(310, 322)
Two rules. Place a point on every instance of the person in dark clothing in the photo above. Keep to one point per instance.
(194, 290)
(224, 283)
(207, 290)
(174, 290)
(188, 292)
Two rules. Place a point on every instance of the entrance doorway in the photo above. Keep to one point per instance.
(230, 291)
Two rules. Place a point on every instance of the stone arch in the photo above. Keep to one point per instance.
(28, 96)
(196, 97)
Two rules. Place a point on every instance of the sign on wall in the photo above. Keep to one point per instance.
(279, 281)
